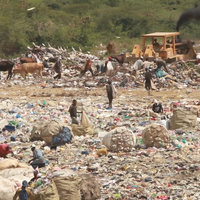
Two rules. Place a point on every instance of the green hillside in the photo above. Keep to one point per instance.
(88, 23)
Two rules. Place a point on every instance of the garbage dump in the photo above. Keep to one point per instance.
(126, 152)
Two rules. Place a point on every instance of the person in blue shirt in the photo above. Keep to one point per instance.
(38, 159)
(23, 193)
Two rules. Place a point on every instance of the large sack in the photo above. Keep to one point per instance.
(119, 139)
(85, 121)
(64, 172)
(68, 187)
(109, 66)
(155, 135)
(183, 119)
(7, 189)
(90, 84)
(160, 73)
(89, 187)
(36, 130)
(49, 130)
(52, 132)
(17, 179)
(85, 105)
(81, 130)
(50, 192)
(153, 114)
(153, 87)
(6, 173)
(6, 105)
(65, 136)
(8, 163)
(23, 165)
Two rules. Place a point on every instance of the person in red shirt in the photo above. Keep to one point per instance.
(5, 149)
(88, 67)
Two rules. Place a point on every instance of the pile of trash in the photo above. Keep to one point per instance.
(127, 152)
(123, 153)
(180, 75)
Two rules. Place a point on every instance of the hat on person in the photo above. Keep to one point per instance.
(33, 146)
(110, 58)
(24, 183)
(155, 101)
(154, 60)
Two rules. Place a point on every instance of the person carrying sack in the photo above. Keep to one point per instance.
(23, 193)
(73, 112)
(148, 80)
(111, 93)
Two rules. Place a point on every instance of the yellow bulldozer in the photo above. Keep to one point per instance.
(165, 45)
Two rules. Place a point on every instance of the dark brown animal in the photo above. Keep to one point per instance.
(7, 65)
(53, 60)
(28, 60)
(118, 58)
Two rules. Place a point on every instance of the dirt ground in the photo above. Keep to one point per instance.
(38, 92)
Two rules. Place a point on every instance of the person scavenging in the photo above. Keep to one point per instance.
(23, 193)
(160, 63)
(38, 159)
(157, 107)
(88, 67)
(73, 112)
(148, 79)
(5, 149)
(111, 93)
(36, 176)
(57, 69)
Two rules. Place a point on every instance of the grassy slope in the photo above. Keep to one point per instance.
(60, 22)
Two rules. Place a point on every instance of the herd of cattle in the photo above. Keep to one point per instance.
(26, 66)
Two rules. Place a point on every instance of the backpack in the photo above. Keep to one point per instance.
(23, 195)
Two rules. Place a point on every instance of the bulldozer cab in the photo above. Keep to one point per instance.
(166, 45)
(163, 44)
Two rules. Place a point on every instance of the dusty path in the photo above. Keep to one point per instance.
(38, 92)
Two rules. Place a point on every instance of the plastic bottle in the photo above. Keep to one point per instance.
(39, 183)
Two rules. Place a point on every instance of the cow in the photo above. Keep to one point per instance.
(7, 65)
(28, 60)
(25, 68)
